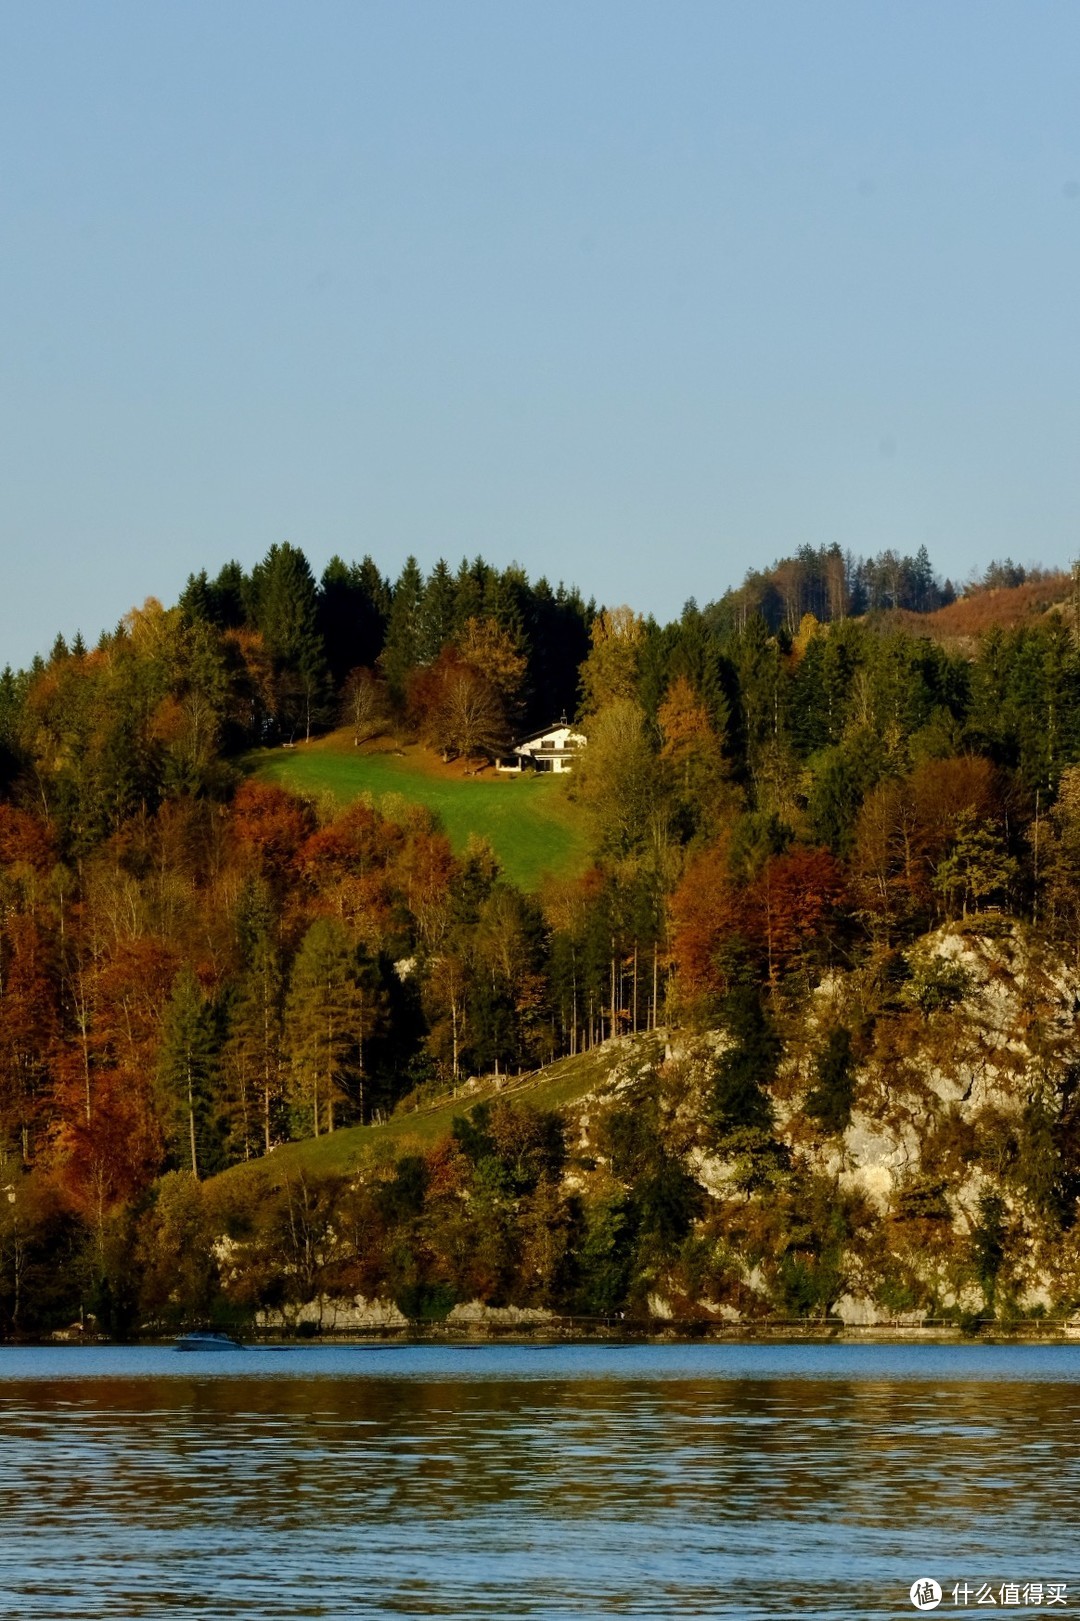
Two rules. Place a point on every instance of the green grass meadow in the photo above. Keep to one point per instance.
(529, 821)
(342, 1153)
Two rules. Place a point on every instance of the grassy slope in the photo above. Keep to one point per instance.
(529, 822)
(968, 618)
(342, 1152)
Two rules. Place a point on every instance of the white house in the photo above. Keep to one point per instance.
(552, 749)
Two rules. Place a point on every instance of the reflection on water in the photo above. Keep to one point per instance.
(532, 1482)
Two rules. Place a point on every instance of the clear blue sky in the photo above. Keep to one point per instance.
(636, 295)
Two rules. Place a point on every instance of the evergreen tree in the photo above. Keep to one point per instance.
(287, 616)
(12, 713)
(762, 701)
(557, 642)
(352, 616)
(188, 1076)
(229, 595)
(739, 1102)
(196, 600)
(437, 623)
(470, 591)
(506, 598)
(833, 1093)
(401, 654)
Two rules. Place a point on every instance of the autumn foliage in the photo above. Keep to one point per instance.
(197, 966)
(784, 916)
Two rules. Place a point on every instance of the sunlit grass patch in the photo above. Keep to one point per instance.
(530, 822)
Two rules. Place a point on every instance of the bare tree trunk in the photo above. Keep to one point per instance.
(266, 1063)
(573, 1009)
(1035, 891)
(191, 1123)
(329, 1069)
(86, 1067)
(244, 1109)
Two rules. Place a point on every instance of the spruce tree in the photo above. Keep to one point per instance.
(401, 655)
(196, 600)
(438, 614)
(353, 602)
(229, 593)
(187, 1075)
(471, 585)
(287, 616)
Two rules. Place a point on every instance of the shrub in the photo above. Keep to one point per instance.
(935, 984)
(830, 1100)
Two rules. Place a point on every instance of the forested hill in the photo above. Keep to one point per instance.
(797, 781)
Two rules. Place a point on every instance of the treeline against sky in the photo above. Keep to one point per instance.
(831, 584)
(195, 966)
(273, 656)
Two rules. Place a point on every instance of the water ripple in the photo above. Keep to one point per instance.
(587, 1482)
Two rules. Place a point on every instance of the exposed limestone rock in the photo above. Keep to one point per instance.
(877, 1158)
(859, 1311)
(928, 1204)
(335, 1315)
(713, 1173)
(476, 1314)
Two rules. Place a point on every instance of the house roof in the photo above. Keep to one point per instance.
(555, 726)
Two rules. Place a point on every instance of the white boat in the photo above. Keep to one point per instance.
(201, 1340)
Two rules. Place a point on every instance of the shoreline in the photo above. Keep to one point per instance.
(1034, 1332)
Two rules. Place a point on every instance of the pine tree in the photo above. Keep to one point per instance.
(188, 1075)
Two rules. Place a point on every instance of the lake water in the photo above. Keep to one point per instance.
(535, 1481)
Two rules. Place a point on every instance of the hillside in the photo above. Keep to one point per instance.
(529, 821)
(787, 816)
(910, 1153)
(959, 624)
(419, 1123)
